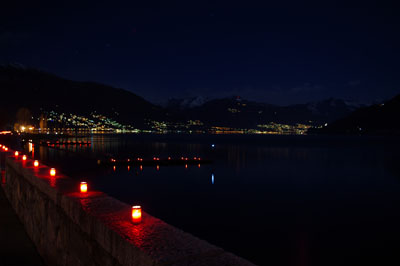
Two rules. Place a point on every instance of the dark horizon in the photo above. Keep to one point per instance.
(277, 53)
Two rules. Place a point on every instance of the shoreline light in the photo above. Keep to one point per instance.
(84, 187)
(16, 154)
(24, 158)
(136, 214)
(36, 163)
(52, 171)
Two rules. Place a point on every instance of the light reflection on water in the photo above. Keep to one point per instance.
(306, 199)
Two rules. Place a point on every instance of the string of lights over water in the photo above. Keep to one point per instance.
(285, 200)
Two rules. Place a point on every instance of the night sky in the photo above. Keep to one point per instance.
(281, 54)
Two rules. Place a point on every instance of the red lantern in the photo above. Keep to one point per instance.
(136, 214)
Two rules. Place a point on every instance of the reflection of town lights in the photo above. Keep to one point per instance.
(84, 187)
(158, 167)
(186, 166)
(114, 167)
(36, 163)
(52, 171)
(198, 165)
(141, 167)
(136, 214)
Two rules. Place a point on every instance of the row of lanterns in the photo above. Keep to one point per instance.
(136, 210)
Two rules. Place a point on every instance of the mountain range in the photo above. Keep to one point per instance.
(377, 119)
(38, 91)
(238, 112)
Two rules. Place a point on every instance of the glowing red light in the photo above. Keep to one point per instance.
(24, 158)
(136, 214)
(16, 153)
(36, 163)
(52, 171)
(84, 187)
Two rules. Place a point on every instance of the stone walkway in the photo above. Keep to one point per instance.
(15, 246)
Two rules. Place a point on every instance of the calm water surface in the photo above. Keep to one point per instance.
(274, 200)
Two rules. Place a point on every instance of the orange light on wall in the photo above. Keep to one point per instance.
(84, 187)
(52, 171)
(24, 158)
(16, 154)
(136, 214)
(36, 163)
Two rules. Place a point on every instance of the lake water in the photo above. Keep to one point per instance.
(274, 200)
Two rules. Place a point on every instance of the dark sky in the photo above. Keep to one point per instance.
(284, 53)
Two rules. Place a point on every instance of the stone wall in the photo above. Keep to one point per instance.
(72, 228)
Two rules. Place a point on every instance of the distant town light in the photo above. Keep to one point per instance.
(36, 163)
(84, 187)
(136, 214)
(212, 145)
(52, 171)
